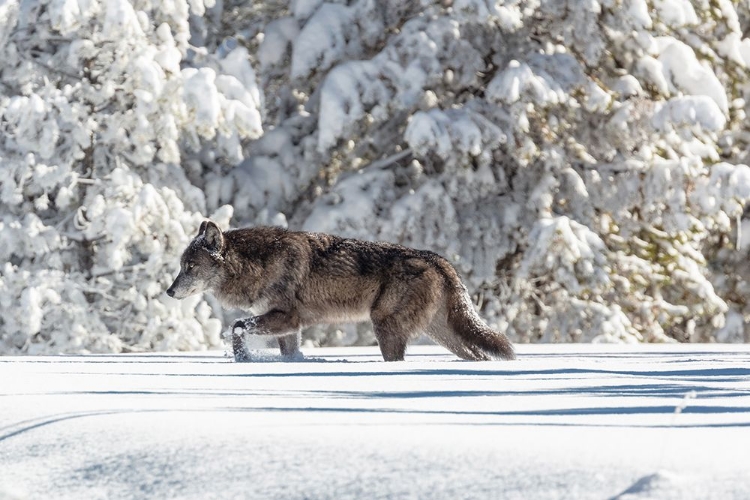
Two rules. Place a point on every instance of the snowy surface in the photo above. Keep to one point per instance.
(563, 421)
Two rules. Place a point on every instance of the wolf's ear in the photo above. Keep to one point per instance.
(214, 237)
(203, 227)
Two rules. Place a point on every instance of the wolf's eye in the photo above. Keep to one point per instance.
(190, 265)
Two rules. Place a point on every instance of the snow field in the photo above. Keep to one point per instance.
(563, 421)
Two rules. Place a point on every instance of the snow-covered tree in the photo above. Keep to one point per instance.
(101, 101)
(581, 163)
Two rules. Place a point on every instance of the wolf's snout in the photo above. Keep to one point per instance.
(184, 287)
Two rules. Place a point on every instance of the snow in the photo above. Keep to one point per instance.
(276, 39)
(323, 40)
(562, 421)
(349, 90)
(202, 99)
(353, 204)
(519, 79)
(303, 9)
(688, 111)
(675, 12)
(680, 64)
(121, 19)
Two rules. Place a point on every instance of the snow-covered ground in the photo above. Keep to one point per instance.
(563, 421)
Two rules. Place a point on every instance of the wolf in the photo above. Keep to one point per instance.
(289, 280)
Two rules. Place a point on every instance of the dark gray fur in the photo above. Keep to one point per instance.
(290, 280)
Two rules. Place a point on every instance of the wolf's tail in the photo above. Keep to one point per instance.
(457, 326)
(478, 339)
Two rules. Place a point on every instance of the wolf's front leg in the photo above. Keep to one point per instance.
(238, 343)
(289, 345)
(276, 323)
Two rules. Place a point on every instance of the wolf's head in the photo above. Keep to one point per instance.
(201, 265)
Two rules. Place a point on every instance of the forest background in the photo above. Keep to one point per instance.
(581, 163)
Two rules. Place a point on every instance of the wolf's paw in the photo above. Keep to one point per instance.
(241, 357)
(293, 356)
(241, 326)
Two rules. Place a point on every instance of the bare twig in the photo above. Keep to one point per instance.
(82, 239)
(134, 267)
(49, 68)
(385, 162)
(739, 232)
(65, 219)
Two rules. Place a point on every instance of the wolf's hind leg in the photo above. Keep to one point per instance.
(392, 344)
(403, 310)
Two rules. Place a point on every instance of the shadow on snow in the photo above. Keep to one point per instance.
(23, 427)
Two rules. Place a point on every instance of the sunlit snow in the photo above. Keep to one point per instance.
(562, 421)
